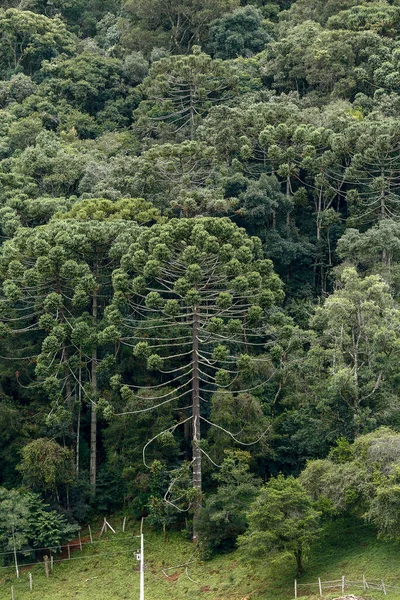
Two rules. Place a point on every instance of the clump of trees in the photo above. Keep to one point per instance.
(199, 264)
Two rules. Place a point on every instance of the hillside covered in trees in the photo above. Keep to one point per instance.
(199, 268)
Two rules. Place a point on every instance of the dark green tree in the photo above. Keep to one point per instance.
(223, 517)
(240, 33)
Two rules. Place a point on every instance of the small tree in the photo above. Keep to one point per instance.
(45, 465)
(282, 519)
(223, 517)
(27, 522)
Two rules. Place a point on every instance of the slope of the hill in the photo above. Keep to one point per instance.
(107, 570)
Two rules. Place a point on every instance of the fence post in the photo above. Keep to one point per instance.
(30, 582)
(80, 540)
(343, 585)
(295, 588)
(123, 525)
(46, 565)
(16, 562)
(51, 562)
(320, 586)
(90, 533)
(69, 551)
(15, 553)
(104, 528)
(108, 525)
(383, 587)
(364, 583)
(12, 593)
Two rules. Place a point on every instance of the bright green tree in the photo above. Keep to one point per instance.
(282, 519)
(26, 39)
(358, 333)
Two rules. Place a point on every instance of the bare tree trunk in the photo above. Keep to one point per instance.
(93, 419)
(78, 424)
(287, 195)
(191, 115)
(196, 423)
(299, 561)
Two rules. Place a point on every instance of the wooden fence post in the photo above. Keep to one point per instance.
(123, 525)
(320, 586)
(295, 588)
(343, 585)
(90, 534)
(80, 540)
(104, 528)
(383, 587)
(12, 593)
(364, 583)
(46, 565)
(108, 525)
(51, 563)
(30, 582)
(69, 551)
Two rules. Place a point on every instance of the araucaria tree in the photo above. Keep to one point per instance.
(56, 281)
(192, 297)
(180, 90)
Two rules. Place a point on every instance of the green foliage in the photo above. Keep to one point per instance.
(358, 326)
(100, 209)
(223, 518)
(27, 522)
(282, 519)
(179, 90)
(365, 483)
(26, 39)
(240, 33)
(45, 465)
(178, 25)
(156, 201)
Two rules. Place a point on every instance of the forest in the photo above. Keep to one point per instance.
(199, 269)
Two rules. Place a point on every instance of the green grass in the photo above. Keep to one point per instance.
(95, 574)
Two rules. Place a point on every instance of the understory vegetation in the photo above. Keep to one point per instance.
(200, 278)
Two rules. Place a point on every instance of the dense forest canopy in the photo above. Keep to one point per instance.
(200, 266)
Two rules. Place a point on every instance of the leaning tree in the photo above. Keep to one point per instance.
(191, 298)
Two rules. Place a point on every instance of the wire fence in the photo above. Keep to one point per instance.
(19, 574)
(327, 587)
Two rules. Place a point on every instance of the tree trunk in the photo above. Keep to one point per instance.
(191, 114)
(93, 419)
(78, 425)
(299, 561)
(196, 423)
(287, 195)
